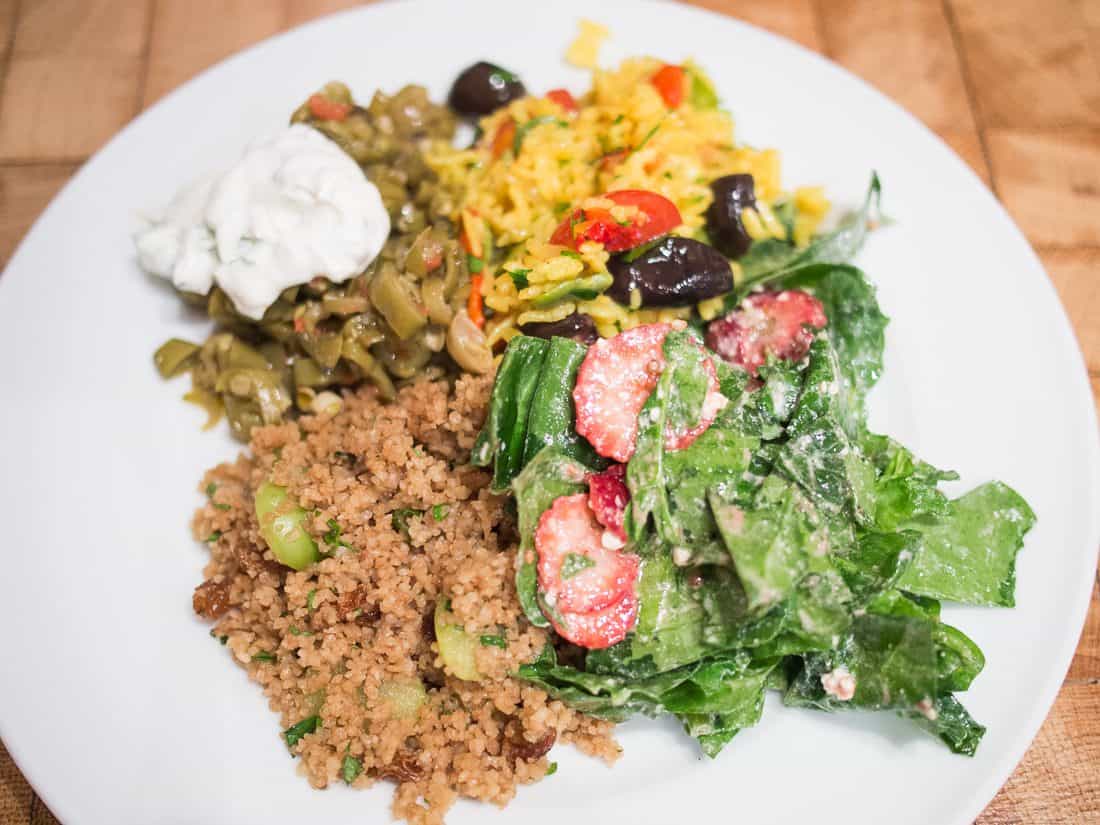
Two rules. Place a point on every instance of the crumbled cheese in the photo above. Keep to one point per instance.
(839, 683)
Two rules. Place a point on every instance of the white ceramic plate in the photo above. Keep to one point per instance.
(120, 708)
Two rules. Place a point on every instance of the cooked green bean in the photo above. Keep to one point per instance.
(584, 289)
(175, 356)
(282, 527)
(385, 323)
(394, 298)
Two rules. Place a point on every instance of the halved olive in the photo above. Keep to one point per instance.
(483, 88)
(673, 272)
(576, 326)
(732, 195)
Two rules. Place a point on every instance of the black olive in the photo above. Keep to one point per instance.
(484, 88)
(576, 326)
(674, 272)
(732, 195)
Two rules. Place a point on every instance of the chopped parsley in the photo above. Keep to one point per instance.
(439, 511)
(618, 120)
(296, 631)
(519, 276)
(647, 138)
(552, 769)
(309, 599)
(294, 733)
(489, 640)
(575, 563)
(399, 519)
(217, 534)
(332, 537)
(569, 253)
(474, 264)
(212, 488)
(263, 656)
(350, 769)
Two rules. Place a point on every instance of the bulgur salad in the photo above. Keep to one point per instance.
(551, 427)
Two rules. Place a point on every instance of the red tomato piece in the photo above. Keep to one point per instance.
(661, 214)
(324, 109)
(608, 496)
(656, 216)
(602, 628)
(669, 80)
(613, 383)
(577, 571)
(563, 98)
(713, 404)
(775, 323)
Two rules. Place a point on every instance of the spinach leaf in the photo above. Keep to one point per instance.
(763, 412)
(770, 260)
(856, 328)
(550, 474)
(970, 556)
(676, 402)
(819, 454)
(960, 660)
(949, 721)
(892, 659)
(816, 616)
(552, 419)
(501, 441)
(875, 561)
(768, 542)
(906, 487)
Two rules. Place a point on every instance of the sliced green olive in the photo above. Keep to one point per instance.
(393, 297)
(282, 526)
(433, 294)
(175, 356)
(404, 696)
(211, 402)
(467, 345)
(403, 359)
(457, 648)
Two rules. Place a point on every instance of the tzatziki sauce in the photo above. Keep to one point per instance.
(294, 207)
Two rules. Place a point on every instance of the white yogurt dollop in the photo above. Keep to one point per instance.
(292, 208)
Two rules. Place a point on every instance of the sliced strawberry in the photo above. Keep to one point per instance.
(775, 323)
(577, 571)
(601, 629)
(713, 404)
(608, 496)
(613, 383)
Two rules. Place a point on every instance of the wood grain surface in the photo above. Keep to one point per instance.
(1012, 85)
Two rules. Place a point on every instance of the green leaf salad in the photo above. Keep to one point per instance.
(774, 542)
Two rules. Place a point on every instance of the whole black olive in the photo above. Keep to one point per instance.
(484, 88)
(576, 326)
(732, 195)
(674, 272)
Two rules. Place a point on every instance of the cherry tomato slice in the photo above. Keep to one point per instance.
(657, 216)
(563, 98)
(669, 81)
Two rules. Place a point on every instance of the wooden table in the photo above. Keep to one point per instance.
(1012, 85)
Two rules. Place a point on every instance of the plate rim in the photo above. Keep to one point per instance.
(1006, 761)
